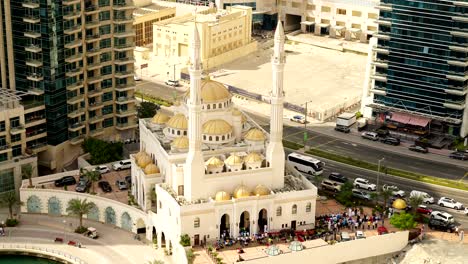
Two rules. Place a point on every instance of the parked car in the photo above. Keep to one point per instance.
(441, 225)
(331, 186)
(122, 165)
(423, 209)
(174, 83)
(122, 185)
(298, 119)
(390, 141)
(128, 179)
(91, 233)
(361, 194)
(442, 216)
(382, 230)
(338, 177)
(466, 211)
(418, 149)
(83, 185)
(136, 78)
(364, 184)
(395, 190)
(345, 236)
(102, 169)
(342, 129)
(360, 234)
(427, 199)
(449, 202)
(370, 135)
(458, 155)
(105, 186)
(65, 181)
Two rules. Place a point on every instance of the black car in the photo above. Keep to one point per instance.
(342, 129)
(83, 185)
(128, 179)
(65, 181)
(338, 177)
(418, 149)
(390, 141)
(105, 186)
(458, 155)
(441, 225)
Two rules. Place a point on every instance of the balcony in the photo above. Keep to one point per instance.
(74, 43)
(92, 9)
(456, 90)
(96, 132)
(34, 121)
(37, 147)
(381, 50)
(31, 19)
(72, 15)
(17, 130)
(92, 38)
(94, 93)
(36, 134)
(75, 99)
(126, 60)
(123, 5)
(124, 33)
(94, 66)
(32, 34)
(30, 4)
(70, 2)
(385, 7)
(75, 127)
(34, 63)
(95, 119)
(36, 77)
(125, 99)
(125, 87)
(382, 36)
(33, 48)
(74, 72)
(5, 148)
(380, 63)
(123, 20)
(36, 91)
(457, 78)
(123, 74)
(92, 24)
(455, 104)
(72, 30)
(379, 77)
(124, 47)
(458, 63)
(379, 91)
(125, 126)
(76, 113)
(460, 49)
(128, 112)
(77, 140)
(92, 52)
(459, 34)
(32, 104)
(74, 86)
(95, 106)
(94, 79)
(74, 58)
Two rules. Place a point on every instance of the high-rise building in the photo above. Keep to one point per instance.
(417, 69)
(75, 60)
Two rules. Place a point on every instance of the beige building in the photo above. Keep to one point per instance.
(351, 20)
(13, 134)
(145, 17)
(225, 36)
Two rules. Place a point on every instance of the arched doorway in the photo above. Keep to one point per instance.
(224, 226)
(155, 235)
(262, 221)
(109, 216)
(54, 206)
(244, 223)
(141, 226)
(163, 240)
(33, 204)
(126, 222)
(93, 214)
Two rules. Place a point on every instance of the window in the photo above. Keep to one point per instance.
(2, 142)
(103, 30)
(308, 207)
(107, 109)
(341, 11)
(105, 43)
(372, 16)
(326, 9)
(196, 222)
(357, 13)
(14, 122)
(106, 70)
(16, 151)
(2, 126)
(3, 157)
(108, 122)
(106, 84)
(278, 211)
(15, 138)
(106, 56)
(105, 15)
(7, 179)
(294, 209)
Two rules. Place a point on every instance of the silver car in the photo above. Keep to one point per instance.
(121, 184)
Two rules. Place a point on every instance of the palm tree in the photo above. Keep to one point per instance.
(27, 172)
(10, 199)
(79, 208)
(386, 194)
(93, 176)
(415, 201)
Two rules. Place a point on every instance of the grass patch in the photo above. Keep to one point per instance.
(152, 99)
(292, 145)
(391, 171)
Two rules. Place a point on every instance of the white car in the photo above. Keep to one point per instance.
(122, 165)
(102, 169)
(298, 119)
(395, 190)
(466, 211)
(364, 184)
(449, 202)
(446, 217)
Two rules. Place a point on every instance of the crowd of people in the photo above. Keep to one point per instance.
(352, 219)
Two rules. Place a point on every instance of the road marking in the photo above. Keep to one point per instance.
(331, 141)
(466, 174)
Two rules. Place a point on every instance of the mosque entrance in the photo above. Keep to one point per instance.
(244, 224)
(262, 221)
(163, 240)
(225, 226)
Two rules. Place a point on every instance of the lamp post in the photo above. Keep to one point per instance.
(378, 172)
(305, 124)
(64, 230)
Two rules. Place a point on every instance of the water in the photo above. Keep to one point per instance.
(18, 259)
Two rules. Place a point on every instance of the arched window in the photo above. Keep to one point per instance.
(204, 137)
(214, 106)
(308, 207)
(208, 106)
(294, 209)
(178, 132)
(220, 105)
(223, 138)
(210, 138)
(217, 138)
(196, 222)
(279, 211)
(185, 133)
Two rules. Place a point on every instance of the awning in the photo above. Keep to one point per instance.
(355, 30)
(419, 121)
(339, 27)
(324, 25)
(400, 118)
(410, 119)
(307, 23)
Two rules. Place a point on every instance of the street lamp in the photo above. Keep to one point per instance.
(64, 230)
(305, 124)
(378, 172)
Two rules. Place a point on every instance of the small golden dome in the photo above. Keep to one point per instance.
(261, 190)
(399, 204)
(234, 160)
(241, 191)
(179, 121)
(212, 91)
(160, 118)
(181, 142)
(214, 162)
(216, 127)
(144, 160)
(139, 154)
(222, 196)
(253, 157)
(151, 169)
(255, 134)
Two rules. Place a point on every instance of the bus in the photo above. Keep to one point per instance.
(306, 164)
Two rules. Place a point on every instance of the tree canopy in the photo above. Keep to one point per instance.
(102, 151)
(79, 208)
(403, 221)
(147, 109)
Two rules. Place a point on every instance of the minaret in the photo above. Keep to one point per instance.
(275, 151)
(195, 166)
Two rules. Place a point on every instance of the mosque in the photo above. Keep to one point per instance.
(210, 170)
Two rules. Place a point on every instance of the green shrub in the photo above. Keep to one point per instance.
(292, 145)
(102, 151)
(152, 99)
(81, 229)
(11, 222)
(185, 240)
(358, 115)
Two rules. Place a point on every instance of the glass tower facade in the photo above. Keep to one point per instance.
(421, 61)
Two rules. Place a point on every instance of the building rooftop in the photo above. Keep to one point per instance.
(10, 98)
(141, 11)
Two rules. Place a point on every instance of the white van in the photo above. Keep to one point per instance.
(122, 165)
(426, 197)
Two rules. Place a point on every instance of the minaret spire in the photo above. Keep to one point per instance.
(275, 151)
(194, 170)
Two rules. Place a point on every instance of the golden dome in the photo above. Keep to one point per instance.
(399, 204)
(179, 121)
(255, 134)
(160, 118)
(222, 196)
(139, 154)
(241, 191)
(181, 142)
(234, 160)
(216, 127)
(212, 91)
(151, 169)
(214, 162)
(261, 190)
(253, 157)
(144, 160)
